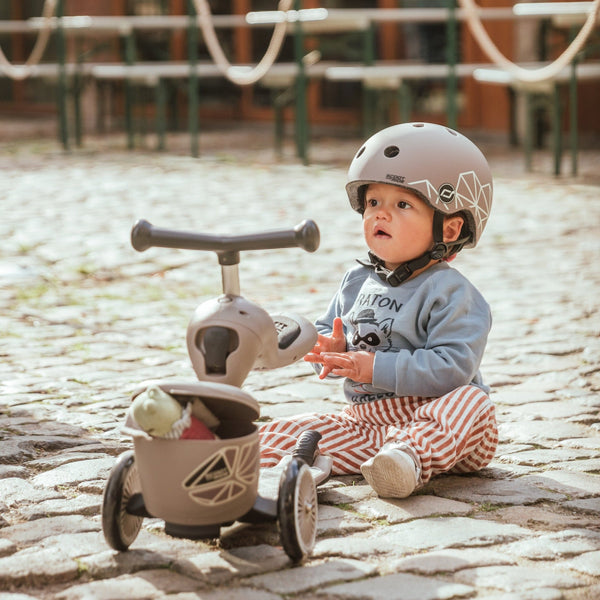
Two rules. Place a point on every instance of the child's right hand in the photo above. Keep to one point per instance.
(336, 342)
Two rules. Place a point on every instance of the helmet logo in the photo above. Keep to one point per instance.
(446, 193)
(396, 178)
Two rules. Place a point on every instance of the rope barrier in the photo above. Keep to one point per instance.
(20, 72)
(241, 75)
(519, 73)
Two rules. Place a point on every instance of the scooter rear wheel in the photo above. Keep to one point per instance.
(120, 527)
(297, 510)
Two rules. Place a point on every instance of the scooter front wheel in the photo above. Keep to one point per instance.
(120, 527)
(297, 510)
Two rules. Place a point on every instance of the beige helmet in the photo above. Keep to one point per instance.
(439, 164)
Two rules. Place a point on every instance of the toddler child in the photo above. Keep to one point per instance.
(405, 329)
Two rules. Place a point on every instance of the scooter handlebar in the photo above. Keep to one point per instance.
(305, 235)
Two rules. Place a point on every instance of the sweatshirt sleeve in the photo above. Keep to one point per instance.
(454, 324)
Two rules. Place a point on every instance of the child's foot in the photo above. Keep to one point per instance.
(392, 472)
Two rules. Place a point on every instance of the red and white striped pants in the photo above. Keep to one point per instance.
(456, 432)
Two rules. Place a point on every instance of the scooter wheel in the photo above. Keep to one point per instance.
(297, 510)
(120, 527)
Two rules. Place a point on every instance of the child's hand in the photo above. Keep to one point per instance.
(336, 342)
(358, 366)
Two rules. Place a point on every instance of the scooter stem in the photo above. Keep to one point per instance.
(230, 277)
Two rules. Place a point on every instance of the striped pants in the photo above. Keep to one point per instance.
(455, 432)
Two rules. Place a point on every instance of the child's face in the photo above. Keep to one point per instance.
(397, 224)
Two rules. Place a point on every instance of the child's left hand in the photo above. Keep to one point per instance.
(358, 366)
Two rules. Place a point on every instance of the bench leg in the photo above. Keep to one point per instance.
(161, 104)
(557, 127)
(573, 141)
(528, 142)
(404, 102)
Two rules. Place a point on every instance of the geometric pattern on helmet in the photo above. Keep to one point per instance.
(470, 195)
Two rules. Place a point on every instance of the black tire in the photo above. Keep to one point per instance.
(297, 510)
(121, 528)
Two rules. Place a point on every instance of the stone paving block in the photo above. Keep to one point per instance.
(517, 579)
(228, 593)
(37, 567)
(413, 587)
(573, 485)
(449, 532)
(75, 545)
(345, 494)
(586, 505)
(542, 457)
(7, 471)
(420, 535)
(448, 561)
(307, 577)
(105, 564)
(32, 532)
(588, 563)
(83, 504)
(540, 432)
(413, 507)
(217, 568)
(132, 587)
(562, 544)
(16, 491)
(542, 517)
(505, 491)
(338, 521)
(7, 547)
(535, 594)
(75, 472)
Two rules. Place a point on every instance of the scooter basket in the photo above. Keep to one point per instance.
(201, 482)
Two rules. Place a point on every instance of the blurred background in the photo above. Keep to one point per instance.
(73, 92)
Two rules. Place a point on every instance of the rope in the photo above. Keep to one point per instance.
(20, 72)
(241, 75)
(519, 73)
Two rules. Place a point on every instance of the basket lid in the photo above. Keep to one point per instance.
(223, 400)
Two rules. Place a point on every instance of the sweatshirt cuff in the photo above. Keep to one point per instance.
(385, 371)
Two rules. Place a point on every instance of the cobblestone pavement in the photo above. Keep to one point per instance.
(84, 318)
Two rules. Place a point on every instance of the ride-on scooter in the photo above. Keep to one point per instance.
(199, 485)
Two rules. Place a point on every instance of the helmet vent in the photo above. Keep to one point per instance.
(451, 131)
(391, 151)
(359, 153)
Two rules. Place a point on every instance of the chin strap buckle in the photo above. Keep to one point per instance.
(439, 251)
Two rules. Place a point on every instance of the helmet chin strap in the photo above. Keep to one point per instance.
(439, 251)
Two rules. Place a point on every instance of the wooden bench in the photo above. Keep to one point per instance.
(547, 95)
(153, 75)
(394, 78)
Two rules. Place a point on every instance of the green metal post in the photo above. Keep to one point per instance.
(529, 126)
(451, 58)
(62, 77)
(404, 101)
(301, 87)
(557, 126)
(77, 87)
(573, 112)
(369, 94)
(129, 60)
(161, 104)
(193, 79)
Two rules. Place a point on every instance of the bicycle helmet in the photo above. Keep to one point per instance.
(441, 166)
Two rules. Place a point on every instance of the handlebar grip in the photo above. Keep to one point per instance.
(305, 235)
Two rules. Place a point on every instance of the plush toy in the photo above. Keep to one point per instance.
(160, 415)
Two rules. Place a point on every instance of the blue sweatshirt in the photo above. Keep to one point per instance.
(428, 334)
